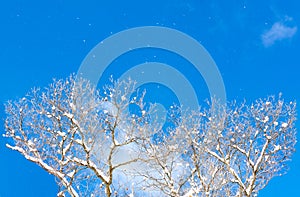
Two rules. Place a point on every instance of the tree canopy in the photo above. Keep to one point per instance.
(95, 146)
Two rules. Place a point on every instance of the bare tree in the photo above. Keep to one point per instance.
(232, 150)
(94, 145)
(77, 135)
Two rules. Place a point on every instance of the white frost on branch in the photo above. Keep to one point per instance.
(95, 147)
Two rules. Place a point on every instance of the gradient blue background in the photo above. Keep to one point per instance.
(40, 40)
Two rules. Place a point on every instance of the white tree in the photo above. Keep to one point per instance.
(76, 135)
(231, 150)
(94, 146)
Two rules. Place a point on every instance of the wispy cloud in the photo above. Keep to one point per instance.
(278, 31)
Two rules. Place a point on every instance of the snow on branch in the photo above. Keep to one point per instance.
(94, 145)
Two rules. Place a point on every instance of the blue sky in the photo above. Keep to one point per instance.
(255, 44)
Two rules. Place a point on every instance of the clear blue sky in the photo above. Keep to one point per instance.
(255, 44)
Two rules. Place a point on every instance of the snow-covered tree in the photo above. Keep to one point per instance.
(231, 150)
(77, 135)
(95, 146)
